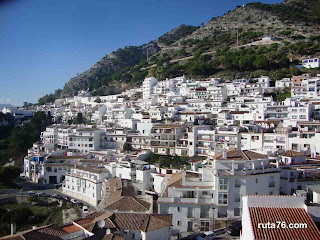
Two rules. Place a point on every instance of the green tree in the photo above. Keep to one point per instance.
(21, 215)
(79, 119)
(9, 174)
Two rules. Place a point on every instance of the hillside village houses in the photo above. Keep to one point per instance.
(226, 140)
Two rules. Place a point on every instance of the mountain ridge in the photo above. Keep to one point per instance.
(205, 51)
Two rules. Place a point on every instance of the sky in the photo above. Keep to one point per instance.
(43, 43)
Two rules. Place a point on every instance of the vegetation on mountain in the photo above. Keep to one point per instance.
(212, 49)
(14, 145)
(176, 34)
(304, 11)
(25, 215)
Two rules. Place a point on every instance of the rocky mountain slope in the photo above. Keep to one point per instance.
(122, 58)
(219, 48)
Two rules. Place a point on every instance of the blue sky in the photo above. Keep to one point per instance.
(43, 43)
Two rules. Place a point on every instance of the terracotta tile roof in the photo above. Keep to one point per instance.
(53, 231)
(143, 222)
(287, 215)
(36, 235)
(291, 153)
(241, 155)
(90, 222)
(113, 236)
(71, 228)
(175, 181)
(93, 169)
(127, 203)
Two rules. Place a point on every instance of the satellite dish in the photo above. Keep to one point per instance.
(108, 231)
(101, 223)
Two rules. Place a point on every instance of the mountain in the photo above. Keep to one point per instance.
(227, 46)
(121, 59)
(5, 106)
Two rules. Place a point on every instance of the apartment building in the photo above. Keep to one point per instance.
(305, 87)
(164, 138)
(199, 202)
(85, 183)
(147, 86)
(85, 140)
(311, 62)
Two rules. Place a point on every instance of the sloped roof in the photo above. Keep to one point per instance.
(143, 222)
(113, 236)
(133, 221)
(241, 155)
(287, 215)
(175, 181)
(127, 203)
(291, 153)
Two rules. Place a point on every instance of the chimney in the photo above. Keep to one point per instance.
(13, 228)
(224, 154)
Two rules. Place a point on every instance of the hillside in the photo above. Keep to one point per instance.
(213, 49)
(121, 60)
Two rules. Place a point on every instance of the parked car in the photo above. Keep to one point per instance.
(210, 235)
(55, 196)
(234, 229)
(73, 201)
(66, 199)
(85, 209)
(41, 194)
(32, 193)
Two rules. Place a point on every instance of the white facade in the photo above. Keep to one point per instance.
(85, 183)
(311, 63)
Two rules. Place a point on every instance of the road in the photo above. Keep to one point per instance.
(49, 189)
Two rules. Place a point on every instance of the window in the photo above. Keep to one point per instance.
(178, 209)
(178, 223)
(237, 183)
(190, 212)
(223, 198)
(254, 137)
(204, 226)
(164, 209)
(204, 211)
(237, 197)
(236, 212)
(256, 180)
(190, 226)
(223, 184)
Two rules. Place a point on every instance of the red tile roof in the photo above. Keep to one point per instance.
(291, 153)
(287, 215)
(241, 155)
